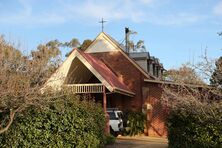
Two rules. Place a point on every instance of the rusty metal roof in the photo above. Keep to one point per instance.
(106, 73)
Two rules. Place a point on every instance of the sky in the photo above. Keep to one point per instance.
(175, 31)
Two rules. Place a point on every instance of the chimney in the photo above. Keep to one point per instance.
(127, 39)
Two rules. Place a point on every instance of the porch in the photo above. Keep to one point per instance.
(84, 88)
(99, 92)
(88, 75)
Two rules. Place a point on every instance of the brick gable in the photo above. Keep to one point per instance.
(127, 73)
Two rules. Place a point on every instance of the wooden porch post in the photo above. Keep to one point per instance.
(107, 130)
(104, 99)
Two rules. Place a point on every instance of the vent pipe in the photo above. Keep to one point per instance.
(127, 39)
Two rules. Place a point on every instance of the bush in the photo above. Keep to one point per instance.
(135, 123)
(195, 126)
(109, 139)
(67, 122)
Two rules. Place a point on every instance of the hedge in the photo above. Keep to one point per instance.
(194, 126)
(67, 122)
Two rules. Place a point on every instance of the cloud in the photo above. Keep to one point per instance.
(181, 18)
(218, 8)
(24, 15)
(131, 10)
(86, 11)
(65, 11)
(111, 10)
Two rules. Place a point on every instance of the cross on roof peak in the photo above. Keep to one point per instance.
(102, 22)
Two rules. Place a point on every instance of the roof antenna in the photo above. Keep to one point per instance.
(102, 22)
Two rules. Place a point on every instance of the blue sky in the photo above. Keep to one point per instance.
(175, 31)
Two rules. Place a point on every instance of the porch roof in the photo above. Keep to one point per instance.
(106, 73)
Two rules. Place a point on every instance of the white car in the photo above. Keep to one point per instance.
(115, 121)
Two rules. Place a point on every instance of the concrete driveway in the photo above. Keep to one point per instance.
(139, 142)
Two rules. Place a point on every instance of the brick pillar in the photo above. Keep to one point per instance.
(148, 117)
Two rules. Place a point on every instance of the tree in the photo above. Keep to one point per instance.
(140, 45)
(54, 43)
(135, 47)
(189, 94)
(72, 44)
(86, 43)
(216, 78)
(22, 76)
(183, 75)
(194, 116)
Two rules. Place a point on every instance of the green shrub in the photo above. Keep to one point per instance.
(196, 127)
(135, 123)
(109, 139)
(67, 122)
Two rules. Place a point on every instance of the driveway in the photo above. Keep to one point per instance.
(139, 142)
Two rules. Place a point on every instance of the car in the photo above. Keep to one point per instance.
(115, 121)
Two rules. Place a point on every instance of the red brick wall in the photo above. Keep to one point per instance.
(144, 92)
(157, 116)
(126, 71)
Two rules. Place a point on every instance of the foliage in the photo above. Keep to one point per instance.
(216, 78)
(72, 44)
(68, 121)
(85, 44)
(195, 126)
(139, 46)
(109, 139)
(135, 123)
(195, 115)
(22, 76)
(184, 74)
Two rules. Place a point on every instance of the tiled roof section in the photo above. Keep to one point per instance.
(104, 71)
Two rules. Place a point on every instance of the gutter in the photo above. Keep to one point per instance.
(124, 92)
(174, 83)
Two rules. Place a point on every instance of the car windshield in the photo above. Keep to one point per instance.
(112, 116)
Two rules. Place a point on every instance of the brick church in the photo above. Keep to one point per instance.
(116, 78)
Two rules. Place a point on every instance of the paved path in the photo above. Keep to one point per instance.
(139, 142)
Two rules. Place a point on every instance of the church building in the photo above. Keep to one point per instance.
(116, 78)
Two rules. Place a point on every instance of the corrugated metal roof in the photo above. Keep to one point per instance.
(105, 72)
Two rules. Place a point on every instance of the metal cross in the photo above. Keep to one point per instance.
(102, 22)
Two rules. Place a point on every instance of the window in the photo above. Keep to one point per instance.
(112, 116)
(154, 71)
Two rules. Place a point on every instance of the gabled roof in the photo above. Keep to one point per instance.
(95, 66)
(105, 73)
(116, 47)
